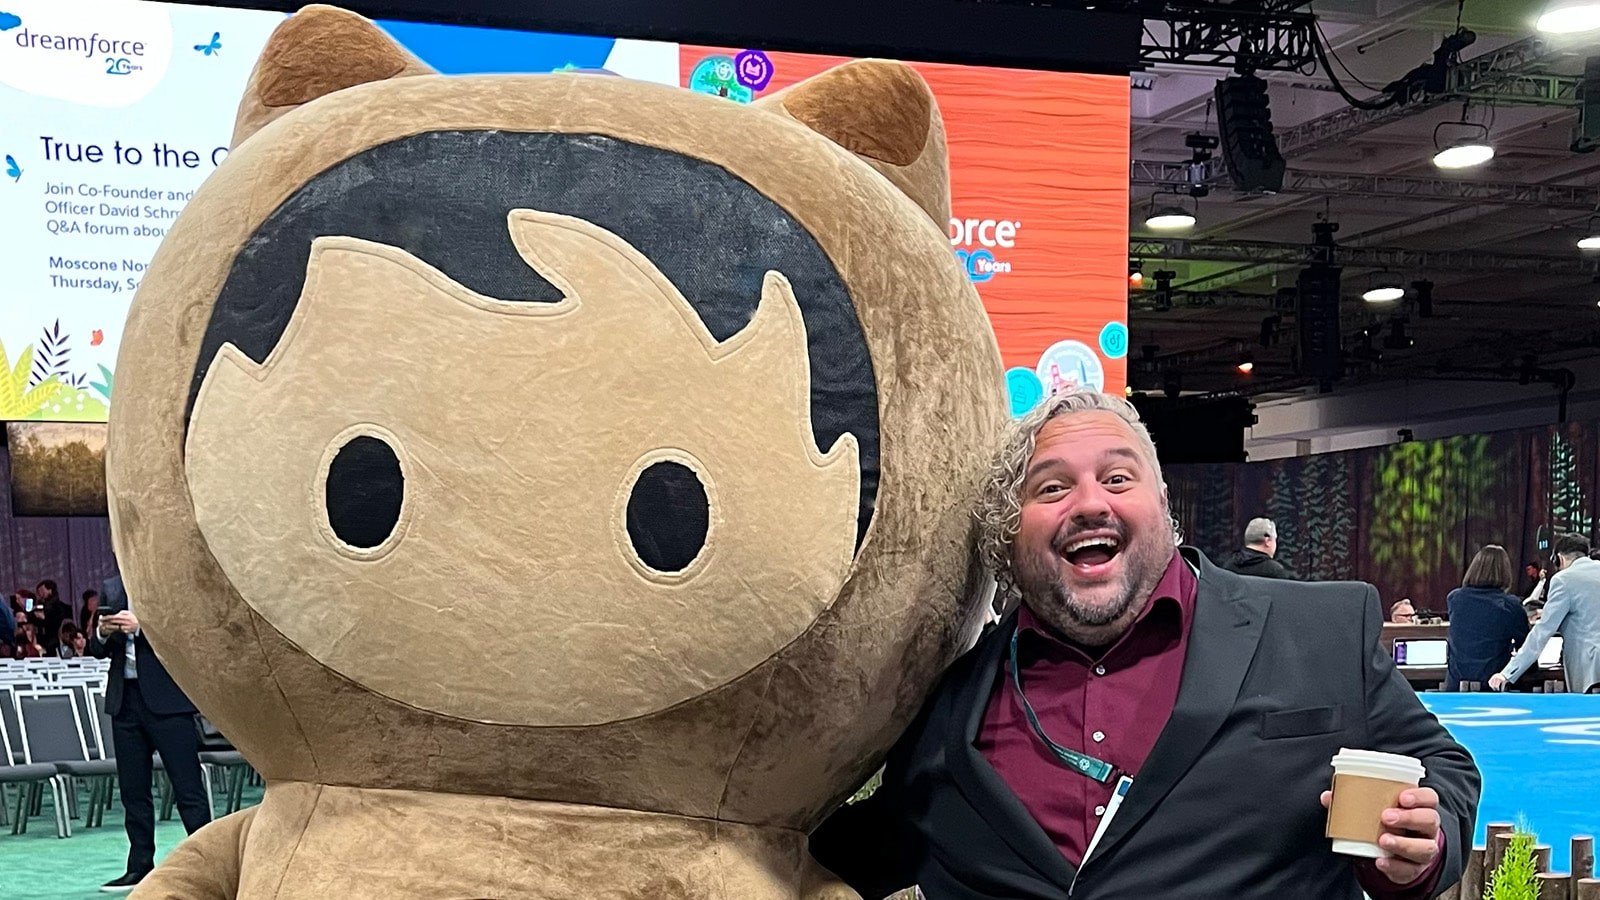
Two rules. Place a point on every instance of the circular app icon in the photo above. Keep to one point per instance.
(1114, 340)
(718, 76)
(1068, 365)
(1024, 389)
(753, 69)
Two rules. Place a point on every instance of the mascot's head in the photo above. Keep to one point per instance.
(558, 437)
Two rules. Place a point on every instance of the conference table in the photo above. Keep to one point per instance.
(1424, 663)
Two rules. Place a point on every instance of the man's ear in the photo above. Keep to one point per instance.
(313, 53)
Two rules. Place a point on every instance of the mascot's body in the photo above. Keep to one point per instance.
(555, 486)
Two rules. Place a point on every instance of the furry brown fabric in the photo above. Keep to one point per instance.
(317, 51)
(702, 751)
(885, 113)
(878, 109)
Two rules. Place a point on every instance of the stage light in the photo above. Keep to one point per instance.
(1591, 238)
(1136, 275)
(1467, 150)
(1385, 288)
(1464, 154)
(1569, 17)
(1247, 364)
(1169, 218)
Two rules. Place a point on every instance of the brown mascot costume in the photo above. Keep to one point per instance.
(556, 486)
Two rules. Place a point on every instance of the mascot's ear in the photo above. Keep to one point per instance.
(316, 51)
(883, 112)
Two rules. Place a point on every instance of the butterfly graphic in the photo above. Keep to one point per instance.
(96, 337)
(12, 169)
(215, 47)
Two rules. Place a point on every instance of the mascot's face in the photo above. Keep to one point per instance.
(617, 509)
(561, 437)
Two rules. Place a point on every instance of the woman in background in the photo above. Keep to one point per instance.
(27, 645)
(1487, 623)
(89, 618)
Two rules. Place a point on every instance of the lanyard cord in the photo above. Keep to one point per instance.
(1099, 770)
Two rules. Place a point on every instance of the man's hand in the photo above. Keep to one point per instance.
(124, 621)
(1497, 682)
(1410, 834)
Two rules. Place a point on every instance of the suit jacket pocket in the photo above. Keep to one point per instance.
(1290, 723)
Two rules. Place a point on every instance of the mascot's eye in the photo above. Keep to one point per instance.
(669, 516)
(364, 491)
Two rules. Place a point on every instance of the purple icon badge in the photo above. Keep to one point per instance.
(754, 69)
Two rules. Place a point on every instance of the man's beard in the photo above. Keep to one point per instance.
(1039, 578)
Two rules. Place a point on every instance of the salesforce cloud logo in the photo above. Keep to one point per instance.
(976, 242)
(100, 53)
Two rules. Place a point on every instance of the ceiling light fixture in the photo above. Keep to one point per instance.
(1169, 218)
(1569, 17)
(1466, 151)
(1591, 235)
(1385, 289)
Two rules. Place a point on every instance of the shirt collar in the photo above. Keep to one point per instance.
(1178, 587)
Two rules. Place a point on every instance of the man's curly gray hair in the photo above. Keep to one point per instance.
(1000, 506)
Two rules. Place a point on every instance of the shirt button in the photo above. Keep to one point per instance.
(1099, 670)
(1099, 810)
(1099, 736)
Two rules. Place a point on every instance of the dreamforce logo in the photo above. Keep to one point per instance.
(988, 234)
(106, 53)
(89, 46)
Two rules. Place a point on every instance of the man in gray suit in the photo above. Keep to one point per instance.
(1571, 609)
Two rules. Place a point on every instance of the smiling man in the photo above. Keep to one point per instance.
(1143, 724)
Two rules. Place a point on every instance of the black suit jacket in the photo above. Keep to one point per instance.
(1279, 676)
(156, 687)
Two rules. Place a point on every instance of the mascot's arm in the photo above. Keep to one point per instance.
(205, 866)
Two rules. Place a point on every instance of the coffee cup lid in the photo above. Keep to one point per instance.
(1375, 762)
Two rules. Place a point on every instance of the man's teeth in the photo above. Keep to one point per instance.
(1075, 546)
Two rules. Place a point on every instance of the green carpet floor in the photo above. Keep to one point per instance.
(39, 866)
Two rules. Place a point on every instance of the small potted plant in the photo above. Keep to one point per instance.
(1514, 878)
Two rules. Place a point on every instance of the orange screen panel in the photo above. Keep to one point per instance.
(1039, 190)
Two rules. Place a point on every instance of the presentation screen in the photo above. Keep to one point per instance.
(117, 110)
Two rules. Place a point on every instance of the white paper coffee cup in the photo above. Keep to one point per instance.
(1365, 783)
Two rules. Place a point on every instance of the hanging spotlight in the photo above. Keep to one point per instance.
(1171, 217)
(1385, 289)
(1136, 275)
(1569, 17)
(1591, 238)
(1466, 151)
(1246, 364)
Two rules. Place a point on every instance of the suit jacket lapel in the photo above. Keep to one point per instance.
(983, 787)
(1222, 643)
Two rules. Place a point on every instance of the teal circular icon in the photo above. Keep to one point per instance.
(718, 76)
(1023, 386)
(1114, 340)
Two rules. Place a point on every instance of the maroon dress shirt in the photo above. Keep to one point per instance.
(1111, 704)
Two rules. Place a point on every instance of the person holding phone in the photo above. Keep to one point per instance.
(149, 714)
